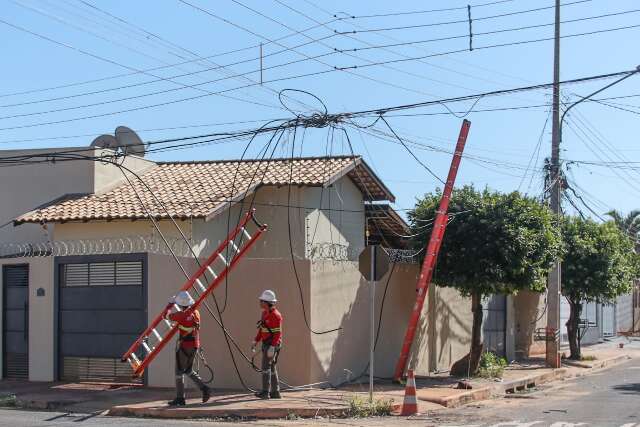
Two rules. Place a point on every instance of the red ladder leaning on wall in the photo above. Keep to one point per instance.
(431, 256)
(160, 331)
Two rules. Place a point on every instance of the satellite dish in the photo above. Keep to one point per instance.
(129, 141)
(105, 141)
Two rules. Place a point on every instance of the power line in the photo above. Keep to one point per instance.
(422, 12)
(464, 21)
(117, 76)
(315, 74)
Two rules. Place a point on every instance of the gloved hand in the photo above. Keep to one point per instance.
(271, 352)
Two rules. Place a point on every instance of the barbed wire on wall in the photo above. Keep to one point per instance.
(404, 256)
(331, 252)
(104, 246)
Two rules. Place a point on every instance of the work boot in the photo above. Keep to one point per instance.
(178, 401)
(206, 394)
(262, 394)
(275, 395)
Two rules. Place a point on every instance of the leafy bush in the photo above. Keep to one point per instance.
(491, 365)
(7, 400)
(360, 407)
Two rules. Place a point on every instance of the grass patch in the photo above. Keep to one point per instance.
(360, 407)
(589, 358)
(491, 365)
(8, 400)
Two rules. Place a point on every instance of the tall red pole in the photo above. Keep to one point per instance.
(432, 252)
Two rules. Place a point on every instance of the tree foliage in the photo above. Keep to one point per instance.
(495, 243)
(599, 264)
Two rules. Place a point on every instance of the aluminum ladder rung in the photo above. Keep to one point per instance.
(135, 358)
(246, 233)
(233, 245)
(223, 259)
(169, 325)
(213, 273)
(156, 334)
(200, 285)
(146, 347)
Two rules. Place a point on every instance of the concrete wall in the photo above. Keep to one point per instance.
(340, 298)
(335, 215)
(23, 188)
(530, 314)
(26, 187)
(41, 317)
(118, 228)
(248, 280)
(450, 321)
(270, 204)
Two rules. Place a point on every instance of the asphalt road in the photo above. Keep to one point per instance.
(607, 398)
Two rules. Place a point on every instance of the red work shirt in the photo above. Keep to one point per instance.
(270, 327)
(188, 326)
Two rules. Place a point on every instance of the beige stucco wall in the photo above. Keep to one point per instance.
(340, 298)
(270, 204)
(449, 327)
(250, 277)
(26, 187)
(119, 228)
(41, 317)
(335, 215)
(106, 175)
(529, 315)
(23, 188)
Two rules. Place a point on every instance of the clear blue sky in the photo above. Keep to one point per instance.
(502, 143)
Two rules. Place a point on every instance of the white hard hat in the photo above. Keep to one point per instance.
(184, 299)
(268, 296)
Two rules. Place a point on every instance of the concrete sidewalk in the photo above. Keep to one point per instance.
(434, 393)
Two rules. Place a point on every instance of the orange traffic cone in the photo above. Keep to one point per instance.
(410, 404)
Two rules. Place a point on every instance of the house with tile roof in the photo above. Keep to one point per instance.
(84, 269)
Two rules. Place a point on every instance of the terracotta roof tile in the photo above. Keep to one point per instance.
(197, 189)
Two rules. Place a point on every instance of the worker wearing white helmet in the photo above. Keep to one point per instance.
(270, 335)
(188, 320)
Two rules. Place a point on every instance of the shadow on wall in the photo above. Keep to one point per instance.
(450, 325)
(344, 355)
(530, 314)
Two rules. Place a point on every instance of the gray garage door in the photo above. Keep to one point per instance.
(15, 321)
(494, 324)
(101, 313)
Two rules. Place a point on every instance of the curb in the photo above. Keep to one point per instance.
(521, 384)
(262, 413)
(459, 399)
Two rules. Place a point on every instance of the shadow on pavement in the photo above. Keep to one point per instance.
(629, 388)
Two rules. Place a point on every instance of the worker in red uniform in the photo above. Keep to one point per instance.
(188, 321)
(270, 335)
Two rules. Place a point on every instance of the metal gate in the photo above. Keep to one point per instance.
(494, 324)
(102, 309)
(15, 322)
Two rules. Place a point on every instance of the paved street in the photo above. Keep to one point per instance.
(607, 398)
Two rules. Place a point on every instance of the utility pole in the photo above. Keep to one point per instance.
(554, 282)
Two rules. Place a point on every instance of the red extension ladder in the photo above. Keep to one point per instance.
(160, 331)
(431, 255)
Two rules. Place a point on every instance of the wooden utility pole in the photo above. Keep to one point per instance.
(554, 283)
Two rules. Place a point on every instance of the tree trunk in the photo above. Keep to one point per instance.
(469, 364)
(573, 329)
(476, 333)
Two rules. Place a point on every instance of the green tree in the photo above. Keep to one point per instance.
(630, 224)
(599, 264)
(494, 244)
